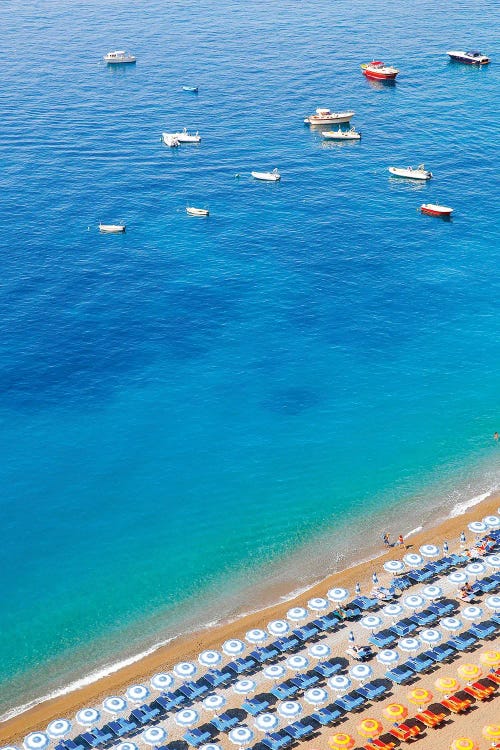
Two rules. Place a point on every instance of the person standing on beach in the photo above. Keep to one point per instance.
(401, 541)
(386, 539)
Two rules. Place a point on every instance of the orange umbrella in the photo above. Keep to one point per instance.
(341, 740)
(370, 728)
(447, 684)
(490, 658)
(420, 696)
(491, 732)
(464, 743)
(469, 672)
(395, 711)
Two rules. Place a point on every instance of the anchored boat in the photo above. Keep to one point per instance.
(186, 137)
(170, 139)
(433, 209)
(341, 135)
(325, 116)
(380, 72)
(192, 211)
(119, 57)
(412, 173)
(112, 228)
(273, 176)
(192, 89)
(471, 58)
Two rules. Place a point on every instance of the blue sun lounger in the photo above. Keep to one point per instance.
(420, 663)
(217, 677)
(224, 722)
(277, 740)
(483, 629)
(197, 736)
(144, 714)
(87, 739)
(400, 674)
(372, 691)
(288, 643)
(304, 681)
(443, 608)
(350, 702)
(463, 641)
(302, 728)
(261, 655)
(425, 618)
(403, 627)
(192, 690)
(365, 603)
(382, 639)
(305, 632)
(103, 734)
(241, 665)
(327, 668)
(328, 714)
(117, 728)
(284, 690)
(352, 613)
(440, 653)
(169, 701)
(256, 705)
(328, 622)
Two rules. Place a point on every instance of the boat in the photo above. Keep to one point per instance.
(273, 176)
(119, 57)
(170, 139)
(471, 58)
(192, 211)
(433, 209)
(185, 137)
(111, 228)
(380, 72)
(412, 173)
(341, 135)
(325, 116)
(192, 89)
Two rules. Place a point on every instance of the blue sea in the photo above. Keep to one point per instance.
(200, 412)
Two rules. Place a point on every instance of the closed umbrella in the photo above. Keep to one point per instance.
(469, 672)
(58, 728)
(432, 592)
(210, 658)
(137, 693)
(370, 728)
(339, 682)
(317, 604)
(233, 647)
(429, 550)
(87, 716)
(297, 663)
(289, 709)
(114, 704)
(162, 681)
(186, 718)
(185, 669)
(243, 687)
(357, 588)
(338, 594)
(214, 702)
(274, 672)
(472, 612)
(360, 672)
(278, 627)
(351, 637)
(341, 741)
(319, 651)
(371, 622)
(388, 656)
(393, 610)
(266, 722)
(154, 736)
(316, 696)
(431, 636)
(445, 548)
(375, 578)
(36, 741)
(490, 658)
(296, 614)
(394, 566)
(493, 603)
(395, 711)
(413, 560)
(241, 735)
(451, 624)
(462, 538)
(256, 636)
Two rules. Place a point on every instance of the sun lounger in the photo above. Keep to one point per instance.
(87, 739)
(327, 668)
(352, 613)
(425, 618)
(286, 644)
(403, 627)
(350, 702)
(494, 677)
(443, 608)
(277, 740)
(430, 719)
(379, 744)
(328, 622)
(444, 651)
(459, 560)
(284, 690)
(144, 714)
(241, 665)
(256, 705)
(192, 691)
(224, 722)
(401, 583)
(483, 629)
(217, 677)
(264, 654)
(382, 639)
(404, 732)
(197, 736)
(306, 632)
(456, 705)
(169, 701)
(304, 681)
(372, 691)
(328, 714)
(362, 653)
(302, 728)
(421, 663)
(365, 603)
(103, 735)
(400, 674)
(463, 641)
(71, 745)
(479, 692)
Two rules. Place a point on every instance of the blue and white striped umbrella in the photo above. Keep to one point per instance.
(210, 658)
(87, 716)
(137, 693)
(493, 560)
(476, 569)
(241, 735)
(339, 682)
(429, 550)
(375, 578)
(388, 656)
(360, 672)
(9, 747)
(266, 722)
(392, 610)
(431, 635)
(413, 560)
(295, 614)
(458, 577)
(185, 669)
(58, 728)
(432, 592)
(394, 566)
(289, 709)
(337, 594)
(154, 736)
(243, 687)
(493, 602)
(462, 538)
(319, 651)
(316, 696)
(127, 746)
(472, 612)
(414, 601)
(214, 702)
(186, 718)
(162, 681)
(233, 647)
(477, 527)
(445, 548)
(317, 604)
(357, 588)
(278, 627)
(210, 746)
(256, 636)
(409, 644)
(274, 672)
(297, 662)
(114, 704)
(492, 522)
(371, 622)
(36, 741)
(451, 624)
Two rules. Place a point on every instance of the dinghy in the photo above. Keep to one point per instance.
(112, 228)
(273, 176)
(341, 135)
(413, 173)
(192, 211)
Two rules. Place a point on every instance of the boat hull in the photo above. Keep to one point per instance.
(468, 60)
(377, 76)
(112, 228)
(339, 120)
(191, 211)
(432, 210)
(410, 174)
(336, 136)
(266, 176)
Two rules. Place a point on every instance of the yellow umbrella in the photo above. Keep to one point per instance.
(491, 732)
(469, 672)
(341, 740)
(395, 711)
(464, 743)
(491, 658)
(420, 696)
(447, 684)
(370, 728)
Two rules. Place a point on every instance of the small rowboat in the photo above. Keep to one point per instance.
(417, 173)
(273, 176)
(192, 211)
(380, 72)
(112, 228)
(433, 209)
(341, 135)
(192, 89)
(170, 139)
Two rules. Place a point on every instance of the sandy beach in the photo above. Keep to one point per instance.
(188, 647)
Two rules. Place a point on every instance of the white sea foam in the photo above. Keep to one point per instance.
(460, 508)
(413, 531)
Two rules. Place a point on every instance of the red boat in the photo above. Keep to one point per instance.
(376, 69)
(432, 209)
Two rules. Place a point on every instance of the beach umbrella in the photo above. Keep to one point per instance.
(317, 604)
(472, 612)
(395, 711)
(370, 728)
(493, 560)
(114, 705)
(256, 635)
(319, 651)
(492, 522)
(432, 592)
(458, 577)
(490, 658)
(375, 578)
(214, 702)
(392, 610)
(451, 624)
(233, 647)
(469, 672)
(137, 693)
(388, 656)
(210, 658)
(9, 747)
(371, 622)
(462, 538)
(274, 672)
(409, 644)
(297, 662)
(339, 682)
(36, 741)
(337, 594)
(185, 669)
(360, 672)
(445, 548)
(316, 696)
(394, 566)
(295, 614)
(491, 732)
(210, 746)
(463, 743)
(476, 568)
(127, 746)
(87, 716)
(341, 741)
(493, 602)
(420, 696)
(429, 550)
(266, 722)
(414, 601)
(351, 637)
(58, 728)
(447, 685)
(357, 588)
(278, 627)
(431, 636)
(186, 718)
(243, 687)
(477, 527)
(413, 560)
(154, 736)
(241, 735)
(162, 681)
(289, 709)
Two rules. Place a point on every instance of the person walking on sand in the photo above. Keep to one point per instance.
(401, 541)
(386, 539)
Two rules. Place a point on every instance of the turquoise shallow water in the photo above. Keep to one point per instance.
(186, 406)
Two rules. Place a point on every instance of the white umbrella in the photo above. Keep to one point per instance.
(337, 594)
(58, 728)
(266, 722)
(274, 672)
(431, 635)
(371, 622)
(36, 741)
(210, 658)
(492, 522)
(297, 662)
(388, 656)
(88, 716)
(256, 635)
(429, 550)
(493, 560)
(432, 592)
(154, 736)
(360, 672)
(214, 702)
(477, 527)
(185, 669)
(394, 566)
(319, 651)
(241, 735)
(451, 624)
(472, 612)
(458, 577)
(493, 602)
(476, 568)
(409, 644)
(414, 601)
(127, 746)
(137, 693)
(339, 682)
(315, 696)
(413, 560)
(392, 610)
(295, 614)
(242, 687)
(278, 627)
(317, 604)
(289, 709)
(114, 704)
(186, 718)
(233, 647)
(210, 746)
(162, 681)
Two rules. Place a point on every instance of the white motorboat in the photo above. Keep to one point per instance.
(186, 137)
(413, 173)
(325, 116)
(471, 58)
(341, 135)
(192, 211)
(170, 139)
(273, 176)
(119, 57)
(111, 228)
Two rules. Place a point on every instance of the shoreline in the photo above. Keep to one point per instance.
(95, 686)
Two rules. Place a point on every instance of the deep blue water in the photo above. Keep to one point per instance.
(184, 406)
